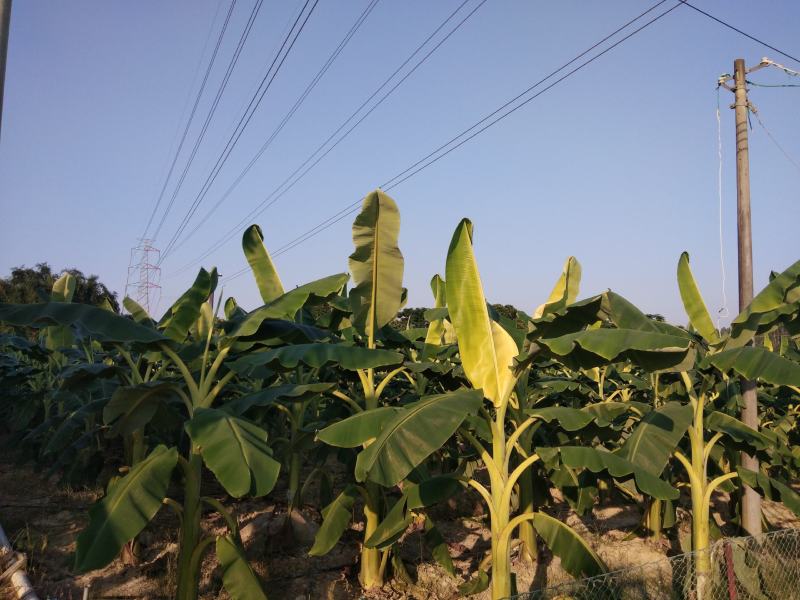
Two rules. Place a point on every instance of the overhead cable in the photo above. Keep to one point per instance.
(282, 188)
(476, 129)
(191, 115)
(315, 80)
(211, 111)
(265, 85)
(739, 31)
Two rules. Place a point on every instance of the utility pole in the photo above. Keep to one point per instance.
(5, 22)
(751, 501)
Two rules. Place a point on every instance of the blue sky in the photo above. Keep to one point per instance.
(617, 165)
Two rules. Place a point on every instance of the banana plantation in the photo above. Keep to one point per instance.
(382, 443)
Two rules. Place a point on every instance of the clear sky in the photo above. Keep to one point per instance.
(617, 165)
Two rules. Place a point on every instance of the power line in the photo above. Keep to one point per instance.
(788, 156)
(773, 85)
(212, 109)
(280, 190)
(194, 110)
(243, 123)
(737, 30)
(411, 171)
(315, 80)
(432, 157)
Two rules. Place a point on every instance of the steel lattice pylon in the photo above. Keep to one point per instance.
(144, 275)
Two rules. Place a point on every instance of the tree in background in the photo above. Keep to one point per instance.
(26, 286)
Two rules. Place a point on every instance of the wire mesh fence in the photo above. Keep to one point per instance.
(764, 567)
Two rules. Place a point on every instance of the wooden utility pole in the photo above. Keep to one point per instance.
(751, 501)
(5, 22)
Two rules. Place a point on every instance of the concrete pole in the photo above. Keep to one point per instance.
(751, 501)
(5, 22)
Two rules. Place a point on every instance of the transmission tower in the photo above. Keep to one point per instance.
(144, 275)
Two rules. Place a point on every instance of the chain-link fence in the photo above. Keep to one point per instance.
(765, 567)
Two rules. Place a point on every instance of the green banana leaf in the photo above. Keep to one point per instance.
(267, 280)
(60, 336)
(487, 350)
(391, 527)
(571, 419)
(279, 332)
(574, 419)
(601, 460)
(357, 429)
(131, 502)
(335, 519)
(655, 438)
(565, 291)
(439, 312)
(738, 431)
(579, 490)
(413, 434)
(625, 315)
(182, 315)
(779, 300)
(595, 347)
(63, 288)
(20, 344)
(71, 423)
(238, 578)
(88, 320)
(772, 488)
(476, 585)
(570, 319)
(605, 413)
(235, 450)
(436, 329)
(233, 312)
(413, 334)
(376, 264)
(132, 407)
(557, 385)
(315, 356)
(693, 303)
(204, 323)
(76, 376)
(430, 491)
(138, 313)
(577, 557)
(289, 392)
(756, 362)
(438, 547)
(414, 496)
(286, 306)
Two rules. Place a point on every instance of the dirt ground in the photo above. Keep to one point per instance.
(43, 520)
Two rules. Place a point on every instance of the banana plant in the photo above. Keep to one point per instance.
(701, 362)
(564, 293)
(489, 358)
(234, 449)
(392, 440)
(779, 302)
(487, 353)
(377, 269)
(303, 391)
(71, 391)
